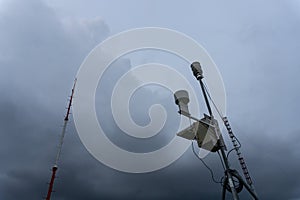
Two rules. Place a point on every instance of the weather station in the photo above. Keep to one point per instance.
(206, 132)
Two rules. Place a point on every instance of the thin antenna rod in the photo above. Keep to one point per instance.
(55, 167)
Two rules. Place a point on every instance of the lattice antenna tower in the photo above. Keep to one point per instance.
(55, 166)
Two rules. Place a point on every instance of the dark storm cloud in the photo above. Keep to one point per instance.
(39, 52)
(39, 56)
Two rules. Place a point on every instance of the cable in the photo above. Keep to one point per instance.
(234, 148)
(233, 139)
(215, 106)
(220, 114)
(210, 170)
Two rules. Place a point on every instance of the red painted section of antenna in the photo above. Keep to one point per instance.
(55, 167)
(50, 189)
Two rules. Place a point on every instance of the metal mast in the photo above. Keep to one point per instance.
(238, 153)
(229, 183)
(55, 166)
(197, 71)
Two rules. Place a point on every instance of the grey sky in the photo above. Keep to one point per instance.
(255, 44)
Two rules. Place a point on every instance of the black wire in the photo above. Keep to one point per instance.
(234, 148)
(210, 170)
(206, 89)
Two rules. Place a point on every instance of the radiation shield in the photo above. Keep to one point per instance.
(205, 132)
(182, 100)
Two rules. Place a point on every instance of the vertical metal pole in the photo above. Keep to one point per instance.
(230, 179)
(198, 73)
(221, 143)
(205, 98)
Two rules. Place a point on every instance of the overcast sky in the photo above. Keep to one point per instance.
(255, 45)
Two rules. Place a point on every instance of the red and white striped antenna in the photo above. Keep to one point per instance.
(55, 166)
